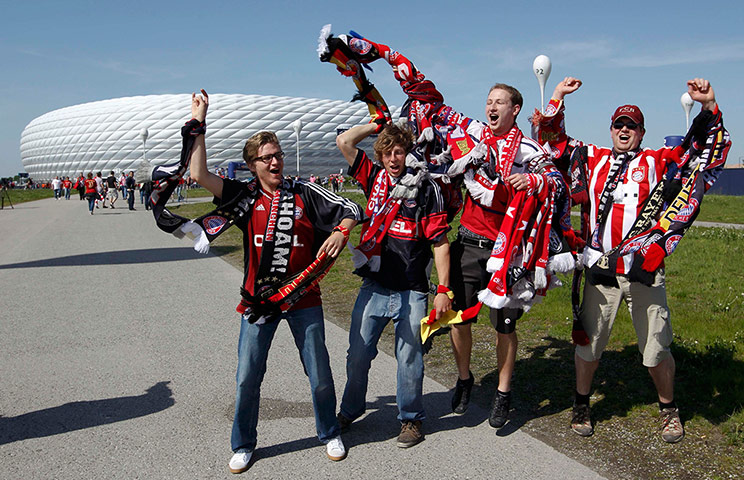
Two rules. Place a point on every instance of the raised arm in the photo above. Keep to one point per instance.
(347, 142)
(701, 91)
(199, 170)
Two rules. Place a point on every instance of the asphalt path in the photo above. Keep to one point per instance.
(117, 360)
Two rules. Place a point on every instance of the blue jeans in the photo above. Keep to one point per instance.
(374, 308)
(308, 331)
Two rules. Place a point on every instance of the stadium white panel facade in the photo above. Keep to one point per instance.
(110, 134)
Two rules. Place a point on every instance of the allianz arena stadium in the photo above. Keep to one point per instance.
(117, 134)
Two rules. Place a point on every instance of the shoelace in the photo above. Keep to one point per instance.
(670, 421)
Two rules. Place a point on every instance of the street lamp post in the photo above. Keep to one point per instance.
(143, 135)
(297, 127)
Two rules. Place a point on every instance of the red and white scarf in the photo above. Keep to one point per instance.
(382, 209)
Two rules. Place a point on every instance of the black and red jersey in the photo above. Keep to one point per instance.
(406, 249)
(317, 212)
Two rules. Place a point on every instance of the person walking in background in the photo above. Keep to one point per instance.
(123, 185)
(67, 186)
(91, 192)
(57, 187)
(111, 189)
(130, 184)
(80, 186)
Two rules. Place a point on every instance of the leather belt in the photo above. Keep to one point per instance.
(476, 242)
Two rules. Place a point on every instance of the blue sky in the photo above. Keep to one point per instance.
(58, 54)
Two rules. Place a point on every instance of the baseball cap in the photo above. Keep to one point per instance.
(631, 111)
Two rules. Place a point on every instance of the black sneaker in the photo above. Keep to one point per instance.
(461, 397)
(343, 422)
(500, 410)
(581, 420)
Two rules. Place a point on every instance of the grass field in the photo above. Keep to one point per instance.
(705, 287)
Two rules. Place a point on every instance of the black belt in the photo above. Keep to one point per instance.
(476, 242)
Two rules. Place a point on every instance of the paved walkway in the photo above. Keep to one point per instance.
(117, 360)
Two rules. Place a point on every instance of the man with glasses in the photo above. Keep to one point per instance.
(615, 187)
(288, 225)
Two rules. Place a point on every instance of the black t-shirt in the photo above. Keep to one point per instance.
(406, 248)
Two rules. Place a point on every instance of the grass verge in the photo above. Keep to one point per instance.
(706, 297)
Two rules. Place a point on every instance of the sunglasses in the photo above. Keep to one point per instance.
(618, 125)
(267, 158)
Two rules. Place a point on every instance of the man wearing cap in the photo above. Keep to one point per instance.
(613, 186)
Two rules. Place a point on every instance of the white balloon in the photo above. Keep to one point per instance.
(541, 67)
(686, 101)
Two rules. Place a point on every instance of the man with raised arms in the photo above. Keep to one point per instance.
(407, 218)
(622, 191)
(289, 225)
(502, 164)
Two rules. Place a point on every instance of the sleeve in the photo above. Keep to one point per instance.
(433, 220)
(551, 130)
(326, 209)
(363, 171)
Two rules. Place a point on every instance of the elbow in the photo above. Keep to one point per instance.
(342, 143)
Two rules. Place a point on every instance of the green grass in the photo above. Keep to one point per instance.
(22, 196)
(722, 208)
(705, 288)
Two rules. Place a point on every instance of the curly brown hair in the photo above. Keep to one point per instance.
(391, 136)
(250, 150)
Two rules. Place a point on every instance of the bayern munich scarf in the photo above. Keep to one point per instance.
(383, 205)
(278, 292)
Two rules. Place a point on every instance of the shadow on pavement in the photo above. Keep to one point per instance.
(147, 255)
(85, 414)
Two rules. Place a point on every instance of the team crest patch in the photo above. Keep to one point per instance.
(638, 174)
(359, 46)
(298, 212)
(671, 243)
(686, 212)
(555, 244)
(214, 224)
(500, 244)
(410, 203)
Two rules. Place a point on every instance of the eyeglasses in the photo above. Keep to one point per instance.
(618, 125)
(267, 158)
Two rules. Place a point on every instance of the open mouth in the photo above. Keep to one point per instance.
(624, 138)
(275, 171)
(493, 117)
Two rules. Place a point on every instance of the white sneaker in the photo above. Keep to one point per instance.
(239, 462)
(335, 449)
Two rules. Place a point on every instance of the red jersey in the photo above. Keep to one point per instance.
(317, 212)
(90, 185)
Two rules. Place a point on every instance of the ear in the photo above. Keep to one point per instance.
(517, 109)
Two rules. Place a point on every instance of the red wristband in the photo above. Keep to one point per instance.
(446, 290)
(344, 231)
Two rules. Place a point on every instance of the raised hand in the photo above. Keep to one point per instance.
(199, 105)
(566, 87)
(701, 91)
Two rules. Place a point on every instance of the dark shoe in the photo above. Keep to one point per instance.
(461, 397)
(672, 430)
(499, 411)
(343, 422)
(581, 421)
(410, 434)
